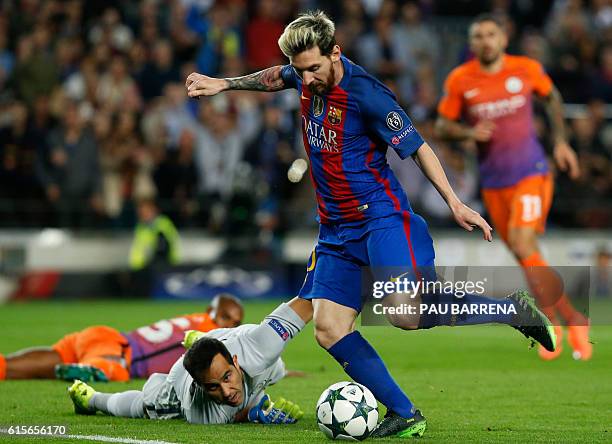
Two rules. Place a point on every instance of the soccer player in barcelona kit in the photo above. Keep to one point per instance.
(494, 93)
(349, 119)
(102, 353)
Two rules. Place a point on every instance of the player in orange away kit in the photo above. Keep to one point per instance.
(494, 93)
(105, 354)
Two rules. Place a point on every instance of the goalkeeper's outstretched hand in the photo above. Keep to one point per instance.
(280, 412)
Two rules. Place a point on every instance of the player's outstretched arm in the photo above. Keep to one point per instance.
(428, 162)
(564, 155)
(269, 79)
(268, 340)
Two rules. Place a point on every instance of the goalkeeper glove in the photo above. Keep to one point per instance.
(191, 336)
(279, 412)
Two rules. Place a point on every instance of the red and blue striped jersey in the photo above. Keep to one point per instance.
(346, 134)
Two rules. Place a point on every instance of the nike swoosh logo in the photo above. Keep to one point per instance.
(397, 278)
(471, 93)
(304, 97)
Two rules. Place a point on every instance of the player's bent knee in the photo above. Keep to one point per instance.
(332, 322)
(400, 310)
(327, 335)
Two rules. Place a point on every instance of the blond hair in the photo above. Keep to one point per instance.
(313, 28)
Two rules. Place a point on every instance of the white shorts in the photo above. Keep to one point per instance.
(159, 398)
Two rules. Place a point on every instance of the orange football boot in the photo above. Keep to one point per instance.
(578, 337)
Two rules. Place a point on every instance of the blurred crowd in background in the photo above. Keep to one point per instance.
(94, 115)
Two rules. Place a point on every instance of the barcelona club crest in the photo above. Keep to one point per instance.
(317, 105)
(334, 116)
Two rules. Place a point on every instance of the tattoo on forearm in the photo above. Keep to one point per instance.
(554, 109)
(269, 79)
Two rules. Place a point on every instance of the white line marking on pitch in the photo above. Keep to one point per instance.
(114, 439)
(101, 438)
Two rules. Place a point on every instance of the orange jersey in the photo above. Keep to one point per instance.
(504, 98)
(156, 347)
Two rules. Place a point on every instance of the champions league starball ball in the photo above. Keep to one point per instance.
(348, 411)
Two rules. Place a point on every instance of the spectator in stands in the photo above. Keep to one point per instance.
(534, 45)
(568, 31)
(262, 35)
(133, 56)
(12, 140)
(601, 81)
(7, 59)
(176, 114)
(219, 37)
(69, 170)
(36, 72)
(349, 26)
(126, 169)
(221, 138)
(156, 240)
(377, 50)
(116, 89)
(601, 15)
(161, 71)
(176, 180)
(67, 53)
(271, 155)
(184, 39)
(422, 43)
(111, 31)
(19, 144)
(83, 84)
(71, 26)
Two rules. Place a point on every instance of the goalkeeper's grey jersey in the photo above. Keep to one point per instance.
(258, 348)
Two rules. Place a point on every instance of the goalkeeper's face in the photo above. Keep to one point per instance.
(223, 381)
(317, 71)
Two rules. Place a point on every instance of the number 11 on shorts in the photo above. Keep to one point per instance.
(532, 207)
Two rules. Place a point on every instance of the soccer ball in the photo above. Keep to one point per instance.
(347, 410)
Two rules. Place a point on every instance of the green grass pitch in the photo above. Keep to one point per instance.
(474, 384)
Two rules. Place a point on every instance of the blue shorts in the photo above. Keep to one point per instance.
(336, 266)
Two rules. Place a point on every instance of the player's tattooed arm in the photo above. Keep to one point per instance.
(564, 155)
(268, 79)
(553, 103)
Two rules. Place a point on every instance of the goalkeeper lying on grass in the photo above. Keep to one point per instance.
(220, 379)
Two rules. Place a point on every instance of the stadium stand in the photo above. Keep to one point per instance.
(95, 116)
